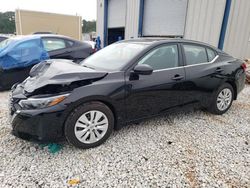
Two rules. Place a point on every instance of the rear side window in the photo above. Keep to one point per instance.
(211, 54)
(69, 43)
(195, 54)
(162, 58)
(51, 44)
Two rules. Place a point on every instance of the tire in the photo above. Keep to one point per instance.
(83, 133)
(216, 104)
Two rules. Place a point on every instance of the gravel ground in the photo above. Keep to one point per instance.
(194, 149)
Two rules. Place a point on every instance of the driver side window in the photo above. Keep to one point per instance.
(163, 57)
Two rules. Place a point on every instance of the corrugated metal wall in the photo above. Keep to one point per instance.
(204, 19)
(132, 19)
(203, 23)
(237, 40)
(164, 17)
(100, 19)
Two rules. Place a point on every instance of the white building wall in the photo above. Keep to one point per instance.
(132, 19)
(100, 20)
(237, 40)
(204, 20)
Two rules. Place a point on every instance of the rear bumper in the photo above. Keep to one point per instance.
(42, 127)
(241, 82)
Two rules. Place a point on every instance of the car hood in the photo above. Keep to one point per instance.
(54, 72)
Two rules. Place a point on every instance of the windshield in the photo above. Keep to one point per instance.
(115, 56)
(5, 43)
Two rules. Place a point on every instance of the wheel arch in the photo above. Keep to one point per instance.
(111, 107)
(100, 99)
(234, 88)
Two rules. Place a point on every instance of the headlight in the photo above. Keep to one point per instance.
(36, 103)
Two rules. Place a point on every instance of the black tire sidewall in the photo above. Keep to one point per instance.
(73, 117)
(214, 109)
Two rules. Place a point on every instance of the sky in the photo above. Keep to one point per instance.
(84, 8)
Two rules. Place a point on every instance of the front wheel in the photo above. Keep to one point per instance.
(222, 100)
(89, 125)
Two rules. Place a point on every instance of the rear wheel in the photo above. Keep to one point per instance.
(89, 125)
(222, 100)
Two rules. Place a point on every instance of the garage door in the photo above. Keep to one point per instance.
(164, 17)
(116, 13)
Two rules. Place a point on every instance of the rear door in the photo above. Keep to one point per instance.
(149, 95)
(203, 74)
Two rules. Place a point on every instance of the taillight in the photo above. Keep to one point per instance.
(244, 66)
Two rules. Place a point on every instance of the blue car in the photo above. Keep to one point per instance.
(19, 54)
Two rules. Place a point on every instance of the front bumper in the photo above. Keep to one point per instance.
(41, 127)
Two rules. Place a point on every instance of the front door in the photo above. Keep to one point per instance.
(153, 94)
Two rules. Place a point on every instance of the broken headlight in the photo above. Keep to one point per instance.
(37, 103)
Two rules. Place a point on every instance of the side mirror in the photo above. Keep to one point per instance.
(143, 69)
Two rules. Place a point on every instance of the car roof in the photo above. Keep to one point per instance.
(38, 36)
(155, 41)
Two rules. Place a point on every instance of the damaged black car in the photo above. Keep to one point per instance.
(125, 82)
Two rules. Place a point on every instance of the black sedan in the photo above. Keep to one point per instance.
(125, 82)
(19, 54)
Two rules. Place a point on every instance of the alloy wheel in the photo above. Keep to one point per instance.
(224, 99)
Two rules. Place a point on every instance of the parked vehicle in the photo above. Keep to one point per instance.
(19, 54)
(125, 82)
(2, 38)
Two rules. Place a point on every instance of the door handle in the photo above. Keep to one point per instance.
(177, 77)
(219, 69)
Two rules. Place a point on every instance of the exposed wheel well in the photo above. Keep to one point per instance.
(234, 88)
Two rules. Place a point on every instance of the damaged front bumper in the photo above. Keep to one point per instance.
(43, 125)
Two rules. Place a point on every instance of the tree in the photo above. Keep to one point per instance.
(88, 26)
(7, 23)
